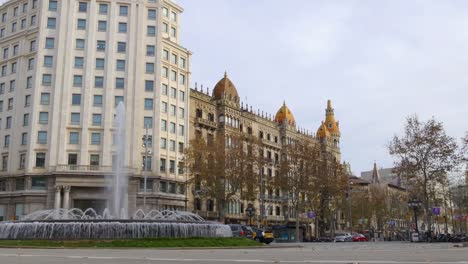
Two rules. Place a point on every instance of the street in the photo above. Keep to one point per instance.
(379, 253)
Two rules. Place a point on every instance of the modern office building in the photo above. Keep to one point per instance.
(65, 65)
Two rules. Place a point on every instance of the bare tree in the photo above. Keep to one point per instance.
(424, 154)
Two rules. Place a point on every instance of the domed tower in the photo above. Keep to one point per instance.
(322, 133)
(285, 116)
(332, 125)
(225, 90)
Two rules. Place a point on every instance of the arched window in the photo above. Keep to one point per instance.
(199, 113)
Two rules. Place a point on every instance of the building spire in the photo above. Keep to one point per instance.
(375, 174)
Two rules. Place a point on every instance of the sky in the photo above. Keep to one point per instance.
(378, 61)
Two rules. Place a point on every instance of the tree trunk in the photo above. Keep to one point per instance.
(297, 223)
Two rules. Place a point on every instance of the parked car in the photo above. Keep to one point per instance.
(263, 236)
(343, 238)
(241, 231)
(360, 238)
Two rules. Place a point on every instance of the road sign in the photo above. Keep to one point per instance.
(436, 210)
(311, 215)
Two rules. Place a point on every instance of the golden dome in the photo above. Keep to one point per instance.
(323, 132)
(225, 86)
(283, 114)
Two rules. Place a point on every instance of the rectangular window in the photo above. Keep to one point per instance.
(77, 80)
(163, 184)
(6, 142)
(103, 9)
(45, 98)
(40, 159)
(33, 20)
(42, 137)
(147, 166)
(122, 27)
(26, 120)
(80, 44)
(102, 26)
(15, 50)
(162, 165)
(50, 43)
(173, 32)
(149, 86)
(24, 139)
(173, 110)
(164, 89)
(148, 104)
(182, 79)
(52, 5)
(148, 122)
(51, 22)
(97, 119)
(22, 163)
(173, 92)
(29, 82)
(120, 65)
(14, 66)
(47, 79)
(118, 100)
(119, 83)
(38, 183)
(123, 10)
(182, 96)
(150, 50)
(163, 143)
(72, 159)
(165, 28)
(181, 112)
(151, 14)
(172, 127)
(121, 47)
(43, 117)
(172, 166)
(173, 16)
(4, 162)
(83, 7)
(172, 145)
(165, 71)
(94, 161)
(100, 63)
(98, 81)
(149, 67)
(81, 24)
(165, 54)
(79, 62)
(2, 88)
(101, 45)
(74, 138)
(19, 184)
(76, 99)
(181, 147)
(95, 138)
(173, 59)
(75, 118)
(151, 30)
(10, 103)
(12, 85)
(181, 130)
(163, 125)
(164, 107)
(173, 76)
(97, 100)
(48, 61)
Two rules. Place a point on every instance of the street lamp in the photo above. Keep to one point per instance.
(145, 164)
(415, 204)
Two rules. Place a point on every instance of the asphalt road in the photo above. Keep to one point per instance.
(378, 253)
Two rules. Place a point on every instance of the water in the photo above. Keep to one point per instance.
(120, 179)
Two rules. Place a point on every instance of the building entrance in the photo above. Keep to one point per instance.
(97, 205)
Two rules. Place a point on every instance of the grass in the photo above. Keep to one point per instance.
(135, 243)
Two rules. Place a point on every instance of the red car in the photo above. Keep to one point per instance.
(360, 238)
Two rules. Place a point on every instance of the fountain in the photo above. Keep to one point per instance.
(113, 223)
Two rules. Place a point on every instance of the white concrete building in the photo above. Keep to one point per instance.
(65, 65)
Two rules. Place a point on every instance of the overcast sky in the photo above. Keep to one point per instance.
(378, 61)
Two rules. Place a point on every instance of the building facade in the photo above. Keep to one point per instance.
(221, 114)
(65, 65)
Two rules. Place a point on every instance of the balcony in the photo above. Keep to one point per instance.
(236, 216)
(90, 168)
(206, 123)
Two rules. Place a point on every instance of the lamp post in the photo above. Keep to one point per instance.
(415, 204)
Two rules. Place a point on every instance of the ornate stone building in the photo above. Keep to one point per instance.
(221, 113)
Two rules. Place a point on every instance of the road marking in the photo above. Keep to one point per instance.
(229, 260)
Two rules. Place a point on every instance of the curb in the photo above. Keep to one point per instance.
(150, 248)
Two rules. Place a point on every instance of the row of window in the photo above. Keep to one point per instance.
(23, 25)
(37, 182)
(15, 10)
(165, 187)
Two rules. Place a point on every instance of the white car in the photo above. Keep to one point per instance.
(343, 238)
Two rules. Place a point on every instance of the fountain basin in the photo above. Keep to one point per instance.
(109, 229)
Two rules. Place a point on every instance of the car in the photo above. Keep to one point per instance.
(264, 236)
(241, 231)
(343, 237)
(360, 238)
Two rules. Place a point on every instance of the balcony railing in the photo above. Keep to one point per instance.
(91, 168)
(206, 123)
(275, 217)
